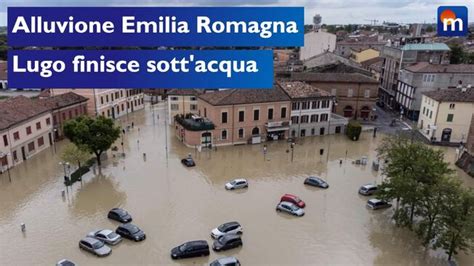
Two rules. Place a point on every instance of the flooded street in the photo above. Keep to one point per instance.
(174, 204)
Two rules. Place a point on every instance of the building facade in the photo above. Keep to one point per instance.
(182, 101)
(317, 42)
(422, 77)
(446, 115)
(3, 75)
(360, 56)
(25, 130)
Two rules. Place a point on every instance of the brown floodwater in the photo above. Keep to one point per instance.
(174, 204)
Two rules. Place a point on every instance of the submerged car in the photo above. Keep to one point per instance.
(236, 184)
(316, 182)
(227, 228)
(376, 204)
(226, 261)
(293, 199)
(106, 235)
(119, 215)
(188, 162)
(290, 208)
(65, 262)
(94, 246)
(226, 242)
(196, 248)
(131, 232)
(368, 189)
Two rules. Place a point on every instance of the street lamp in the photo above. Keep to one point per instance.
(4, 155)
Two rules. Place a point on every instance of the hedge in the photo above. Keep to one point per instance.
(353, 130)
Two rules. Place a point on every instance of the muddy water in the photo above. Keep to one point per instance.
(173, 204)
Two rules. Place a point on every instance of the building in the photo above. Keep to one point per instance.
(355, 93)
(182, 101)
(311, 110)
(111, 103)
(399, 57)
(344, 48)
(231, 117)
(373, 65)
(331, 63)
(64, 107)
(422, 77)
(361, 55)
(446, 115)
(316, 43)
(25, 130)
(3, 75)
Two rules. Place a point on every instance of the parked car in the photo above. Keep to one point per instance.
(293, 199)
(107, 236)
(227, 228)
(376, 204)
(131, 232)
(290, 208)
(94, 246)
(119, 215)
(191, 249)
(368, 189)
(228, 241)
(188, 162)
(236, 184)
(65, 262)
(316, 182)
(226, 261)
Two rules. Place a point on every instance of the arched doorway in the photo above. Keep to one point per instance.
(255, 131)
(364, 112)
(348, 111)
(446, 135)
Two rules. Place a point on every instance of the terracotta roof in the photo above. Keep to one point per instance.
(371, 61)
(425, 67)
(3, 70)
(62, 100)
(185, 92)
(18, 109)
(452, 95)
(333, 77)
(298, 89)
(245, 96)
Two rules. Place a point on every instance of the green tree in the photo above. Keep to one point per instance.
(353, 130)
(75, 155)
(457, 54)
(95, 135)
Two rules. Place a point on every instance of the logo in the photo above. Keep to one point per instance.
(452, 21)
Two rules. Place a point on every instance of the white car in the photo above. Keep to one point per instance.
(290, 208)
(225, 229)
(236, 184)
(106, 235)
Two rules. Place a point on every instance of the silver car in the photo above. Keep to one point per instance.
(107, 236)
(226, 261)
(95, 246)
(290, 208)
(236, 184)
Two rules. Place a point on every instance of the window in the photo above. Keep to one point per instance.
(174, 107)
(295, 106)
(241, 133)
(173, 98)
(123, 106)
(304, 119)
(108, 113)
(255, 131)
(270, 114)
(101, 100)
(450, 118)
(324, 117)
(312, 131)
(431, 114)
(424, 109)
(64, 116)
(112, 97)
(28, 130)
(15, 157)
(5, 140)
(31, 146)
(367, 93)
(107, 98)
(325, 104)
(451, 106)
(121, 93)
(70, 114)
(283, 112)
(193, 98)
(224, 117)
(193, 107)
(256, 115)
(314, 119)
(350, 93)
(241, 116)
(40, 141)
(305, 105)
(224, 134)
(294, 119)
(38, 125)
(48, 121)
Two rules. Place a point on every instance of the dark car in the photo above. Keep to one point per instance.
(376, 204)
(227, 242)
(65, 262)
(131, 232)
(316, 182)
(119, 215)
(226, 261)
(191, 249)
(188, 162)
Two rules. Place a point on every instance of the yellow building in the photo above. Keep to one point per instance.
(363, 55)
(445, 115)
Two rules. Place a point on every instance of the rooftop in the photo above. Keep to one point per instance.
(452, 95)
(425, 47)
(18, 109)
(62, 100)
(298, 89)
(245, 96)
(193, 92)
(333, 77)
(425, 67)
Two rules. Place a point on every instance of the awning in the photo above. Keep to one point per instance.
(277, 129)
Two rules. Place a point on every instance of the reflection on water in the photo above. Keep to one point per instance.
(174, 204)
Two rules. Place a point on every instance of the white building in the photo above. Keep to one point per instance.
(317, 42)
(182, 101)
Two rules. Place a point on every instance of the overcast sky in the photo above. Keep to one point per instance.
(332, 11)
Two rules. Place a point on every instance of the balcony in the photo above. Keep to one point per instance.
(277, 126)
(194, 122)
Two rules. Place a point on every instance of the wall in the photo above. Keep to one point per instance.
(316, 43)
